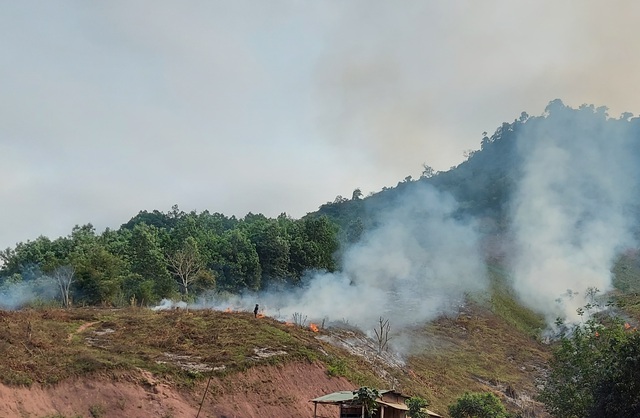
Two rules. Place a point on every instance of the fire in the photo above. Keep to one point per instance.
(313, 327)
(289, 324)
(228, 310)
(627, 326)
(260, 315)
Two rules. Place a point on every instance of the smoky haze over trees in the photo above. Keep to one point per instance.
(551, 198)
(554, 197)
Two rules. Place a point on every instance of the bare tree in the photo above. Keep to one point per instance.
(64, 276)
(382, 334)
(300, 319)
(186, 264)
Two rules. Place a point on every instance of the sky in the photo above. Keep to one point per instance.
(109, 108)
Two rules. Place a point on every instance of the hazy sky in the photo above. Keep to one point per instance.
(111, 107)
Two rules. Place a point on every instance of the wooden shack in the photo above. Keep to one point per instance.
(391, 404)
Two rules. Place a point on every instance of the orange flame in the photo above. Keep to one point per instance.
(260, 315)
(228, 310)
(313, 327)
(627, 325)
(289, 324)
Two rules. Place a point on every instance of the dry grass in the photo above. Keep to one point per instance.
(476, 351)
(452, 355)
(51, 345)
(492, 345)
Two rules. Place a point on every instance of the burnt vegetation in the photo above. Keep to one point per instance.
(493, 344)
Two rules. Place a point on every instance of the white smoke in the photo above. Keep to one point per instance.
(571, 211)
(417, 264)
(16, 294)
(167, 304)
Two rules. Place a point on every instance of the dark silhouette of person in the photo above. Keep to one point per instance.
(255, 311)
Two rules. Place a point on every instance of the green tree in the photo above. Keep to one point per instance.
(477, 405)
(617, 395)
(40, 254)
(239, 265)
(594, 372)
(272, 246)
(367, 397)
(99, 274)
(313, 245)
(416, 407)
(148, 262)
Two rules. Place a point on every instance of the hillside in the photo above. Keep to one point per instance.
(470, 266)
(158, 362)
(100, 362)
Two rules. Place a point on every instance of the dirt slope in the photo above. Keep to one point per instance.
(265, 392)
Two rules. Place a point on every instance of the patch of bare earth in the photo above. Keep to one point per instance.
(266, 392)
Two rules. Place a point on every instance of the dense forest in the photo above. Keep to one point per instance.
(176, 254)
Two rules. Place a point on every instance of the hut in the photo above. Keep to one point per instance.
(391, 404)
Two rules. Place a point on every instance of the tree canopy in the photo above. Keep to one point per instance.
(595, 371)
(160, 255)
(478, 405)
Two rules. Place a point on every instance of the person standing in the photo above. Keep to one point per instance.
(255, 311)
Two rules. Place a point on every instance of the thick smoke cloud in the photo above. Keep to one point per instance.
(572, 212)
(417, 264)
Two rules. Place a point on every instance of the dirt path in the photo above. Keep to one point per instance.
(81, 329)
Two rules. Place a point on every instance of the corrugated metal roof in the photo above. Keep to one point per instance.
(342, 396)
(431, 413)
(347, 396)
(336, 397)
(394, 405)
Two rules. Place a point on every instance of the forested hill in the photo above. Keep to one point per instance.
(177, 254)
(485, 183)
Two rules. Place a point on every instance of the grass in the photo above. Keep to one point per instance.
(505, 304)
(50, 345)
(493, 343)
(470, 352)
(489, 343)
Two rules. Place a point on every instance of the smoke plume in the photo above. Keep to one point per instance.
(571, 213)
(417, 264)
(14, 295)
